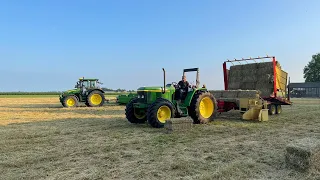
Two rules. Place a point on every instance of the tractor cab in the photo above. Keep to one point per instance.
(179, 93)
(88, 83)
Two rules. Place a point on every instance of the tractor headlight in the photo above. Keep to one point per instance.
(142, 96)
(139, 96)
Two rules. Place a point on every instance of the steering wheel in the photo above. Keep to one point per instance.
(176, 85)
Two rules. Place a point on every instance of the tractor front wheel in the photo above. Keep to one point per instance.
(95, 99)
(70, 101)
(134, 115)
(203, 108)
(160, 111)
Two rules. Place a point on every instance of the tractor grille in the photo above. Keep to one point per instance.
(142, 96)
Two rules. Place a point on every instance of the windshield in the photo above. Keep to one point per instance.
(86, 84)
(92, 84)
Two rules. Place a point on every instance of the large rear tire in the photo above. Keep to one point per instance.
(203, 108)
(160, 111)
(134, 116)
(70, 101)
(95, 99)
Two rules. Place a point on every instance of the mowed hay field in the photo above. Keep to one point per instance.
(41, 140)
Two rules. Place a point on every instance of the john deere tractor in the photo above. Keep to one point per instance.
(87, 91)
(155, 105)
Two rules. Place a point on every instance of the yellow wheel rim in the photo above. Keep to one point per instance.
(206, 107)
(71, 102)
(163, 114)
(139, 115)
(273, 109)
(279, 109)
(96, 99)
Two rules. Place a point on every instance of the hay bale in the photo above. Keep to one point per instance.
(234, 85)
(179, 124)
(304, 154)
(229, 94)
(248, 94)
(218, 94)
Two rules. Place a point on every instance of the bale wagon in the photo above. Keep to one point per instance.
(256, 89)
(124, 99)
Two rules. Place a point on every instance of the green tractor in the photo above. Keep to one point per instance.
(158, 104)
(87, 91)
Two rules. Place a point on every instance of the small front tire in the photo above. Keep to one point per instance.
(159, 112)
(70, 101)
(134, 116)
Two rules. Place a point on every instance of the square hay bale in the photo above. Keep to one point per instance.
(229, 94)
(235, 93)
(234, 85)
(265, 64)
(178, 125)
(217, 93)
(248, 94)
(304, 154)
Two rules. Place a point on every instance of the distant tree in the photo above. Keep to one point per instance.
(312, 70)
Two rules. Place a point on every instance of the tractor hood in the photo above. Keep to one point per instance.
(154, 88)
(71, 91)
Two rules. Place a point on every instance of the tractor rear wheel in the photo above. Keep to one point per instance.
(70, 101)
(160, 111)
(95, 99)
(133, 115)
(203, 108)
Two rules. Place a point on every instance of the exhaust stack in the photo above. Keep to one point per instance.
(164, 81)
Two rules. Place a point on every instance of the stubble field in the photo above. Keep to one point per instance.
(42, 140)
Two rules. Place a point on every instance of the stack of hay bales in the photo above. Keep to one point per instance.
(253, 76)
(304, 154)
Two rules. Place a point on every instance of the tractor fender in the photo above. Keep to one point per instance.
(75, 95)
(78, 97)
(190, 95)
(88, 92)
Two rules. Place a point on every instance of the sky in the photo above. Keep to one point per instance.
(48, 45)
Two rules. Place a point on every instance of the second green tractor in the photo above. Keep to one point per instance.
(87, 91)
(157, 104)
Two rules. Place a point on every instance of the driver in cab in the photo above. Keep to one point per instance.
(184, 84)
(183, 87)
